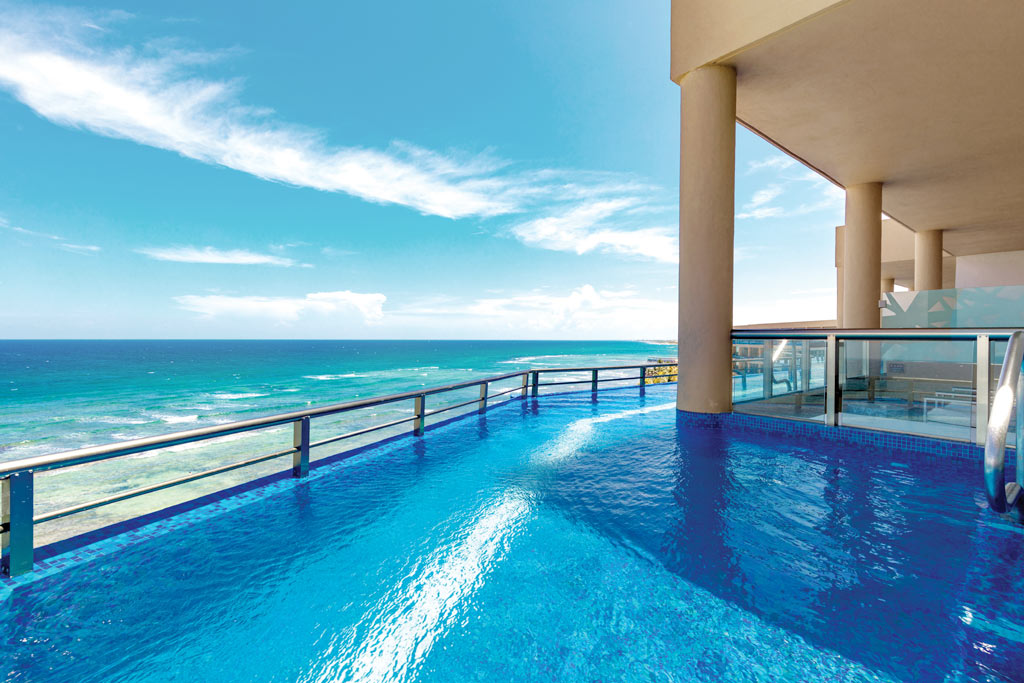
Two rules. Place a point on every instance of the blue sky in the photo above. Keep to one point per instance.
(368, 170)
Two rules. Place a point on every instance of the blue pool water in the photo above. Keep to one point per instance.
(563, 539)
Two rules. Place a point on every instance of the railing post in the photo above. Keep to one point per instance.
(535, 382)
(831, 380)
(593, 382)
(300, 440)
(526, 383)
(482, 404)
(805, 367)
(1019, 429)
(643, 380)
(982, 369)
(16, 510)
(767, 370)
(792, 365)
(421, 414)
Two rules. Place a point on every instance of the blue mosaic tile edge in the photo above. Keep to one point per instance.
(854, 436)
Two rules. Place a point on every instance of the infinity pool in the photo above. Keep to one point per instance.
(563, 539)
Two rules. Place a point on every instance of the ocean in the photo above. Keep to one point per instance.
(61, 395)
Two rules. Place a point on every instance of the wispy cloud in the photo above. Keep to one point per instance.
(284, 309)
(764, 195)
(80, 248)
(776, 162)
(585, 309)
(159, 101)
(763, 203)
(583, 228)
(60, 243)
(158, 95)
(188, 254)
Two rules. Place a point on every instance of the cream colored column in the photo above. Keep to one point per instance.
(862, 255)
(928, 259)
(839, 276)
(888, 284)
(707, 177)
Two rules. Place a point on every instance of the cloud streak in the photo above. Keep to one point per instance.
(585, 310)
(284, 309)
(55, 62)
(189, 254)
(583, 229)
(61, 243)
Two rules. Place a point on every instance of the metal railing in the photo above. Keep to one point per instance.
(17, 502)
(833, 397)
(1003, 497)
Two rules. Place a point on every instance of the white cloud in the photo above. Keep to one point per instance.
(25, 231)
(776, 162)
(581, 229)
(80, 248)
(762, 212)
(188, 254)
(48, 63)
(585, 311)
(831, 197)
(61, 244)
(157, 95)
(283, 309)
(764, 195)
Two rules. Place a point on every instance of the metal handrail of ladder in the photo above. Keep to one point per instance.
(1006, 497)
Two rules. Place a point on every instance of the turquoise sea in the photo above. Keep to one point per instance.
(60, 395)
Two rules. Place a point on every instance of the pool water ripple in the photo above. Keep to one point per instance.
(561, 539)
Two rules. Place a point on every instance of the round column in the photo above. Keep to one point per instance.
(928, 259)
(862, 256)
(707, 169)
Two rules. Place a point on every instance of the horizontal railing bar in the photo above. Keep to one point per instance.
(502, 393)
(360, 432)
(573, 381)
(908, 334)
(117, 498)
(604, 367)
(457, 405)
(88, 454)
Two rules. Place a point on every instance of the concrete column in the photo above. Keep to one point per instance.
(862, 255)
(839, 276)
(928, 259)
(707, 177)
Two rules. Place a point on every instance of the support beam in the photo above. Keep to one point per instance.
(928, 260)
(707, 169)
(862, 256)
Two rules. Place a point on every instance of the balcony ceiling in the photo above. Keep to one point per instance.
(926, 96)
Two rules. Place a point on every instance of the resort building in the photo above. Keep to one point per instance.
(911, 107)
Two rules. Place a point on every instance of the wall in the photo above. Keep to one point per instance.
(990, 270)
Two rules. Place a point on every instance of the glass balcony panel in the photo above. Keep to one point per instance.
(914, 386)
(779, 378)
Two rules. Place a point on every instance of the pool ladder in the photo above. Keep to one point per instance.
(1002, 497)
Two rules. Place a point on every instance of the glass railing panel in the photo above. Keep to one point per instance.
(779, 378)
(915, 386)
(947, 308)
